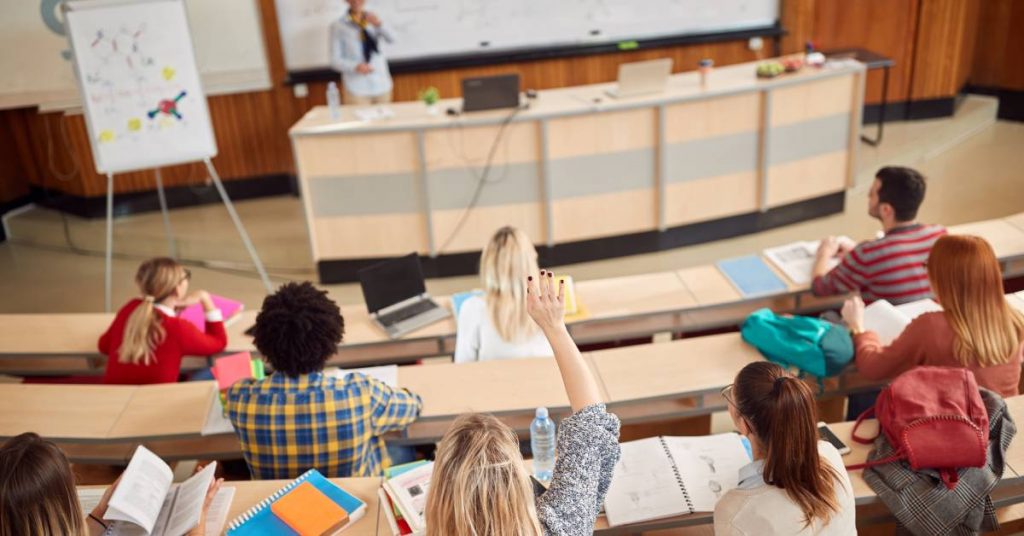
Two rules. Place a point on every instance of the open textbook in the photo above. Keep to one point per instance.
(147, 503)
(888, 320)
(668, 476)
(796, 260)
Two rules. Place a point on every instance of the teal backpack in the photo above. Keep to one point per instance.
(814, 346)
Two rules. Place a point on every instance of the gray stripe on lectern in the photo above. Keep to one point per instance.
(368, 194)
(712, 157)
(791, 143)
(597, 174)
(506, 185)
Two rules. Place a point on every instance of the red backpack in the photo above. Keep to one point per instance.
(934, 418)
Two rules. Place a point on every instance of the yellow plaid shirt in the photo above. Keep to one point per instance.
(289, 425)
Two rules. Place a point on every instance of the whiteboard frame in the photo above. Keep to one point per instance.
(65, 7)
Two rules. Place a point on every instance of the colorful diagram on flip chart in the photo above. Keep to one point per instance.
(140, 87)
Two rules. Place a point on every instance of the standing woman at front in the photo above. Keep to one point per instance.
(796, 484)
(147, 341)
(356, 53)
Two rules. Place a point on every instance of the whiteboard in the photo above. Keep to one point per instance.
(231, 57)
(431, 28)
(143, 101)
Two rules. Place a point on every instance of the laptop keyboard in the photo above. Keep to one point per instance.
(406, 313)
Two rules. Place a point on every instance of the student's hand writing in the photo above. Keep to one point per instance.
(845, 245)
(545, 301)
(853, 313)
(364, 68)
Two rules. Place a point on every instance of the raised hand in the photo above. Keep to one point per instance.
(545, 301)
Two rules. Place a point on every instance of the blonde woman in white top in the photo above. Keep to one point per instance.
(496, 325)
(796, 485)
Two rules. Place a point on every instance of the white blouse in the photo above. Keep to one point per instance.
(477, 340)
(754, 507)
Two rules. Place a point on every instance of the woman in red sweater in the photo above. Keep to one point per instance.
(977, 328)
(147, 340)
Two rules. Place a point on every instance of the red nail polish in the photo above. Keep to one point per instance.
(529, 278)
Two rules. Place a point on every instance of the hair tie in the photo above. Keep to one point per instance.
(148, 298)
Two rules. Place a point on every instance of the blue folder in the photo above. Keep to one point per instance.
(751, 276)
(260, 520)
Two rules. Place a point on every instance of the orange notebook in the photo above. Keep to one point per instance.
(309, 512)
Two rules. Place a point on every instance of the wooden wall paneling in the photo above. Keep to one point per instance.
(252, 128)
(946, 32)
(999, 49)
(883, 26)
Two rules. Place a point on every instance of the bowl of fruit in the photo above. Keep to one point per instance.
(793, 64)
(770, 69)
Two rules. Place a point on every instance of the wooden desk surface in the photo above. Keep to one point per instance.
(1007, 239)
(105, 412)
(52, 333)
(1017, 220)
(668, 369)
(489, 386)
(632, 295)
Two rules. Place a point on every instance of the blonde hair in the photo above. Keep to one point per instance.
(966, 278)
(37, 490)
(480, 486)
(505, 263)
(157, 279)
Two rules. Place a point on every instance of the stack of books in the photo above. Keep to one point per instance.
(404, 497)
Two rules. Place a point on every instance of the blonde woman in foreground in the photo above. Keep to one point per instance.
(480, 485)
(496, 325)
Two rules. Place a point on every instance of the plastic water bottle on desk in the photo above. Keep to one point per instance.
(542, 445)
(334, 100)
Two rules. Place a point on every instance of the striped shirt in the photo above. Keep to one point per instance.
(289, 425)
(889, 268)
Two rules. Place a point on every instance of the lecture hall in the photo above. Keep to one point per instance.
(528, 268)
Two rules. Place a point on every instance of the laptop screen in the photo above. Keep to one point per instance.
(392, 281)
(490, 92)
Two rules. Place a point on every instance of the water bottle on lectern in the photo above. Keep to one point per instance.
(542, 445)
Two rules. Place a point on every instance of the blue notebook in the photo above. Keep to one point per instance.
(751, 276)
(259, 520)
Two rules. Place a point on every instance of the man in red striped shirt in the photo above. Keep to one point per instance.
(892, 267)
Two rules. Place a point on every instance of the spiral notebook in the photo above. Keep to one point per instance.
(259, 520)
(664, 477)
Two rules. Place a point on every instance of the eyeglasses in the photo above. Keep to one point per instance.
(727, 395)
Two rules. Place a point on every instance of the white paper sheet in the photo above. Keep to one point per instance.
(388, 374)
(140, 496)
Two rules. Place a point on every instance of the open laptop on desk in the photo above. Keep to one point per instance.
(490, 93)
(642, 77)
(396, 296)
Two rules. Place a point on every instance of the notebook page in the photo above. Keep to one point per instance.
(644, 485)
(216, 421)
(188, 506)
(917, 308)
(140, 496)
(387, 374)
(885, 320)
(708, 465)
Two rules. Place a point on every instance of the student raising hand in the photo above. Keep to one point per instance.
(545, 301)
(546, 304)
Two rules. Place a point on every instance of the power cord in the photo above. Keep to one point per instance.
(481, 179)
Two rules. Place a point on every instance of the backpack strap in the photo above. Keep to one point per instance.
(867, 414)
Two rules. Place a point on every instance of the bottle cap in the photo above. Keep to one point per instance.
(542, 413)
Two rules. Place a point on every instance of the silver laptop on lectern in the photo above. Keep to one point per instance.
(642, 77)
(396, 296)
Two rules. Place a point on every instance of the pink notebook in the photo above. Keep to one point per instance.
(194, 314)
(232, 368)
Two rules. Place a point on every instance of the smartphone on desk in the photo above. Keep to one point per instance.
(826, 433)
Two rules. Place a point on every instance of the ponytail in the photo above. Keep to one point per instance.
(142, 334)
(782, 413)
(157, 279)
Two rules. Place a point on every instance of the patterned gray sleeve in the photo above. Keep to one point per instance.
(588, 449)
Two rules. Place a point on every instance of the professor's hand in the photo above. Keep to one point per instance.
(373, 19)
(364, 68)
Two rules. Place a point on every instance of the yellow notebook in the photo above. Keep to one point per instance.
(309, 512)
